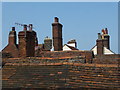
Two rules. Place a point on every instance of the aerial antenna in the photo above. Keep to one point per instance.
(30, 26)
(19, 24)
(24, 26)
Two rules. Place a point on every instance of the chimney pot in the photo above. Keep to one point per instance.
(30, 26)
(56, 19)
(103, 31)
(106, 30)
(99, 36)
(13, 28)
(25, 27)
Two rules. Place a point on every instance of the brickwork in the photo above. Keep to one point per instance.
(57, 35)
(47, 44)
(99, 47)
(57, 69)
(75, 53)
(103, 41)
(106, 42)
(12, 47)
(27, 43)
(11, 51)
(107, 59)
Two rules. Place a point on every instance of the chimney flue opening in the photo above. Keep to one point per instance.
(56, 19)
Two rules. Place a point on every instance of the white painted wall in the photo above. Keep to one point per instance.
(95, 50)
(106, 51)
(66, 48)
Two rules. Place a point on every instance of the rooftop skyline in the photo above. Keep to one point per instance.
(81, 21)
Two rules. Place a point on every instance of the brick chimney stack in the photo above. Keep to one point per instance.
(12, 36)
(11, 48)
(27, 43)
(100, 48)
(57, 35)
(102, 41)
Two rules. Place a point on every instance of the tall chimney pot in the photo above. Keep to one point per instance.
(56, 19)
(106, 30)
(25, 27)
(30, 26)
(103, 31)
(99, 36)
(13, 28)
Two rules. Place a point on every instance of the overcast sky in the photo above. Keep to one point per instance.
(81, 21)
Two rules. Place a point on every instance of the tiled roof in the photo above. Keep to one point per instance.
(59, 76)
